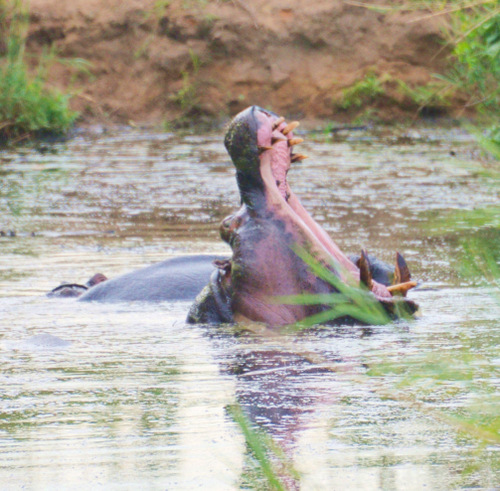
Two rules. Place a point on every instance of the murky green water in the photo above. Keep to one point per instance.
(128, 396)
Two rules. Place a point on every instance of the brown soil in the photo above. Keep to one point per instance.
(157, 60)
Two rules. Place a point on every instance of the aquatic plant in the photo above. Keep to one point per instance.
(270, 459)
(351, 300)
(27, 106)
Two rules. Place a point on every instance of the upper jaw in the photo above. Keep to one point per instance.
(255, 138)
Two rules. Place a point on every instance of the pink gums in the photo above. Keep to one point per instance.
(280, 160)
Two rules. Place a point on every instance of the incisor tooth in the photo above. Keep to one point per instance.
(294, 141)
(298, 157)
(290, 127)
(276, 140)
(278, 122)
(402, 288)
(263, 149)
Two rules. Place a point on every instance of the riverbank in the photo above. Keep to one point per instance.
(154, 62)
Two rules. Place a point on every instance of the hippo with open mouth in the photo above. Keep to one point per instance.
(265, 236)
(267, 232)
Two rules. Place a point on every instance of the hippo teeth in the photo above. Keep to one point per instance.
(275, 139)
(278, 122)
(365, 275)
(262, 148)
(290, 127)
(401, 272)
(297, 157)
(402, 288)
(294, 141)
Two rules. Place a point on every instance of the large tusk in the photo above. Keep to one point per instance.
(365, 274)
(402, 288)
(401, 271)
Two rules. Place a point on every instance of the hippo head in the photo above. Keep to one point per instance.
(271, 226)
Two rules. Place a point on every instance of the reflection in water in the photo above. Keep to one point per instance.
(128, 396)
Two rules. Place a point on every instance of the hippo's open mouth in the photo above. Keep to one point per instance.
(274, 153)
(262, 145)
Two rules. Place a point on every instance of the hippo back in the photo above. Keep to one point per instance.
(179, 278)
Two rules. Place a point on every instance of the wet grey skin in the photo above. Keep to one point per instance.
(176, 279)
(263, 236)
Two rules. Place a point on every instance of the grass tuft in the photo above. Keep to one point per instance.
(27, 106)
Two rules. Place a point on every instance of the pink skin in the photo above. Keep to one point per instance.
(275, 164)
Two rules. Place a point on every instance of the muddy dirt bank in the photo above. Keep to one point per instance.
(155, 61)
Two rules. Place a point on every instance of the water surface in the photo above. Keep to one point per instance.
(127, 396)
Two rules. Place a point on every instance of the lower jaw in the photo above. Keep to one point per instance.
(314, 237)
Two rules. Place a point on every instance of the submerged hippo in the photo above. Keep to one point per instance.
(72, 290)
(176, 279)
(267, 232)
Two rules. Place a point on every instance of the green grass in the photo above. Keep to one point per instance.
(473, 38)
(351, 300)
(473, 34)
(271, 462)
(372, 87)
(475, 70)
(27, 106)
(362, 92)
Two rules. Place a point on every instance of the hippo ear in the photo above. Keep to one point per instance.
(401, 272)
(365, 274)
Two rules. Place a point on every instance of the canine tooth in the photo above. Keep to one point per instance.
(278, 122)
(365, 274)
(294, 141)
(263, 149)
(401, 271)
(290, 127)
(402, 288)
(297, 157)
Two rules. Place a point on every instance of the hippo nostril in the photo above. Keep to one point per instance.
(226, 223)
